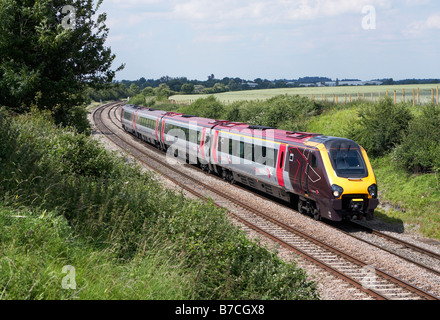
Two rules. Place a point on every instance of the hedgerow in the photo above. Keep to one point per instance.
(381, 126)
(420, 148)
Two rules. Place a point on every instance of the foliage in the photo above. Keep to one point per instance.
(381, 126)
(110, 92)
(208, 107)
(420, 149)
(412, 199)
(283, 112)
(36, 245)
(46, 62)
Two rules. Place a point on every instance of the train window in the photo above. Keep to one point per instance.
(271, 155)
(127, 116)
(314, 161)
(260, 154)
(242, 149)
(223, 145)
(281, 160)
(249, 151)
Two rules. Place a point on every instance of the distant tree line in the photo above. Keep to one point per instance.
(166, 86)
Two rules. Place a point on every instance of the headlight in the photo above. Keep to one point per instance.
(337, 191)
(372, 190)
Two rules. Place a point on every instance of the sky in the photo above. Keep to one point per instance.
(275, 39)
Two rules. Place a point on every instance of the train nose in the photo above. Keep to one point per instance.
(356, 205)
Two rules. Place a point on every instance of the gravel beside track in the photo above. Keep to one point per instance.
(330, 286)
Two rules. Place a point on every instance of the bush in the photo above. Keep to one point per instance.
(381, 126)
(208, 107)
(420, 149)
(290, 112)
(282, 112)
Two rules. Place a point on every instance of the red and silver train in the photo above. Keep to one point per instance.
(325, 177)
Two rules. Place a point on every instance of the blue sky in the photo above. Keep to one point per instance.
(275, 39)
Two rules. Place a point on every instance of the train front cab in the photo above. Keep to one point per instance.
(351, 180)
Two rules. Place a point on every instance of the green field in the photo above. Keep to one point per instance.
(327, 93)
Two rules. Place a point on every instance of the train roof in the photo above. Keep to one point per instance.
(185, 118)
(264, 132)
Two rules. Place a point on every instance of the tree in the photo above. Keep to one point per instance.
(187, 88)
(163, 92)
(50, 52)
(134, 89)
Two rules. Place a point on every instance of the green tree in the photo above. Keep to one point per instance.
(148, 92)
(50, 52)
(134, 89)
(187, 88)
(163, 92)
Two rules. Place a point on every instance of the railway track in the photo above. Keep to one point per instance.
(367, 279)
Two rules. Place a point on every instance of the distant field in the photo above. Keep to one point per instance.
(327, 93)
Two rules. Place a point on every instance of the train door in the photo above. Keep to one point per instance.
(297, 169)
(204, 148)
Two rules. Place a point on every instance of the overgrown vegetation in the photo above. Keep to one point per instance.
(420, 150)
(381, 126)
(64, 200)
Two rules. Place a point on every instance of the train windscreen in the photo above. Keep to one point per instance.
(346, 158)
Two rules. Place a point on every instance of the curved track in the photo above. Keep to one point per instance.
(372, 281)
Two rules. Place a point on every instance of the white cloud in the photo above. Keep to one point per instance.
(268, 11)
(418, 27)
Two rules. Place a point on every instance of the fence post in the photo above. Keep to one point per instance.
(350, 97)
(379, 96)
(414, 97)
(437, 95)
(395, 96)
(418, 95)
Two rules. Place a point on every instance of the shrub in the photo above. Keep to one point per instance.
(381, 126)
(420, 149)
(209, 107)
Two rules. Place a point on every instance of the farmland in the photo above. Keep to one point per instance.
(327, 93)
